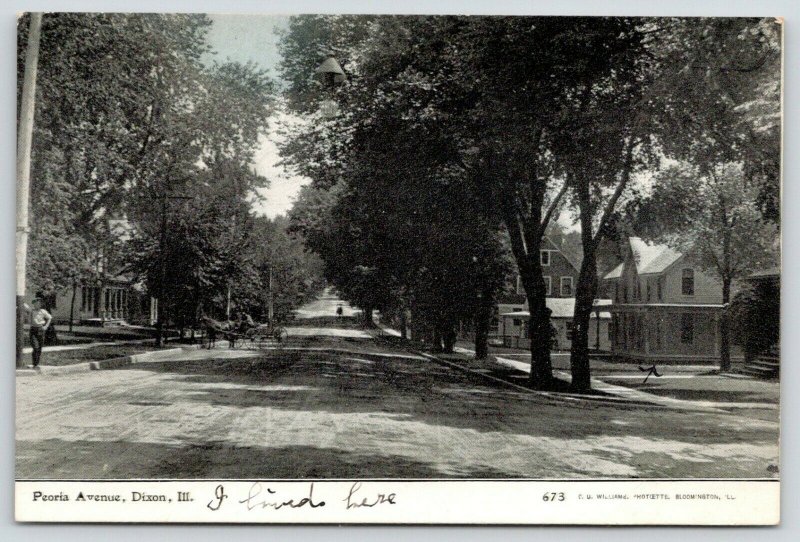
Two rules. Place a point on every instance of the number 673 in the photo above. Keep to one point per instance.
(550, 497)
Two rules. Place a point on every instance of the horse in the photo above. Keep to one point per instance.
(212, 327)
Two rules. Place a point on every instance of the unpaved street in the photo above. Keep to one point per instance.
(347, 406)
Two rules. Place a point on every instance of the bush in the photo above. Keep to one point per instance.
(755, 318)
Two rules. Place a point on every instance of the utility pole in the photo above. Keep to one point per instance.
(162, 267)
(24, 141)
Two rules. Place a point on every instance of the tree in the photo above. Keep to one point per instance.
(131, 117)
(293, 274)
(599, 147)
(755, 318)
(715, 220)
(379, 257)
(722, 98)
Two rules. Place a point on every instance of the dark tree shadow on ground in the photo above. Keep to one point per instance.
(122, 459)
(341, 322)
(423, 391)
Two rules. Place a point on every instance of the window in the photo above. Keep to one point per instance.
(687, 328)
(517, 322)
(687, 282)
(611, 332)
(648, 290)
(544, 257)
(660, 286)
(566, 286)
(637, 294)
(548, 286)
(569, 329)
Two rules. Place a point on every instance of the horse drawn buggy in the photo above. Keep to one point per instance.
(244, 333)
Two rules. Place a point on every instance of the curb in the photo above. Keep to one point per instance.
(106, 364)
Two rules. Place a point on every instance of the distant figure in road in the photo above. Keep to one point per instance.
(339, 311)
(40, 321)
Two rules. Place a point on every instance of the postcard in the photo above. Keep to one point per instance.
(383, 269)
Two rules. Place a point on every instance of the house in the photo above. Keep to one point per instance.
(560, 277)
(562, 311)
(664, 307)
(113, 300)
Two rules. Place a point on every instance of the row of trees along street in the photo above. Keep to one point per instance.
(459, 140)
(136, 122)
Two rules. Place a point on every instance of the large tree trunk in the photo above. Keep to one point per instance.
(584, 299)
(587, 277)
(483, 322)
(437, 339)
(449, 337)
(527, 254)
(541, 376)
(367, 316)
(724, 330)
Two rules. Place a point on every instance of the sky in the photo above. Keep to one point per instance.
(254, 38)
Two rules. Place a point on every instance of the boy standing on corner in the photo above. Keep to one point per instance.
(40, 321)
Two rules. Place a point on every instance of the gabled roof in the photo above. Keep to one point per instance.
(643, 252)
(555, 247)
(615, 273)
(650, 258)
(660, 263)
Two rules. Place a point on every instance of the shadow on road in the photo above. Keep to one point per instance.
(341, 322)
(422, 391)
(117, 459)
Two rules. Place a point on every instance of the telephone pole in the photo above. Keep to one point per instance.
(24, 140)
(162, 266)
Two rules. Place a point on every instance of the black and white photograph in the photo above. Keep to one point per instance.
(279, 255)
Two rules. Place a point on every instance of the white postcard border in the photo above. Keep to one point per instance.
(451, 502)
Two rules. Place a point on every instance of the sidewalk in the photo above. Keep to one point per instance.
(111, 363)
(624, 392)
(82, 346)
(639, 395)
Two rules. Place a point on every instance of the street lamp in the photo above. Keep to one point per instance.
(329, 73)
